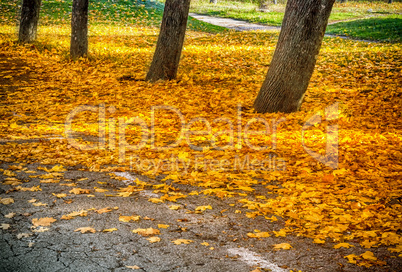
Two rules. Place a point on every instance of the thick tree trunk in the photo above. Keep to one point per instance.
(29, 20)
(295, 55)
(170, 41)
(79, 29)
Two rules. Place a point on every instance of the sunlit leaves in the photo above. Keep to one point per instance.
(358, 203)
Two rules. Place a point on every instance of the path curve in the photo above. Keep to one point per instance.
(235, 24)
(240, 25)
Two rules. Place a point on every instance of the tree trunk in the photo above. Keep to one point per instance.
(213, 1)
(29, 20)
(389, 1)
(170, 41)
(295, 55)
(79, 29)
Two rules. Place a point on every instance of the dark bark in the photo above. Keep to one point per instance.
(170, 41)
(29, 20)
(79, 29)
(295, 55)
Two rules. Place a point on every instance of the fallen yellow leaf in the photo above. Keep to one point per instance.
(45, 221)
(153, 239)
(146, 232)
(155, 200)
(124, 218)
(345, 245)
(282, 246)
(86, 230)
(203, 208)
(109, 230)
(182, 241)
(6, 201)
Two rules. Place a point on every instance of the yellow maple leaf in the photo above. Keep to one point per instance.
(57, 168)
(146, 232)
(203, 208)
(12, 181)
(368, 255)
(6, 201)
(10, 215)
(318, 241)
(351, 258)
(104, 210)
(163, 226)
(37, 204)
(280, 233)
(30, 189)
(109, 230)
(49, 181)
(133, 266)
(9, 173)
(154, 239)
(205, 244)
(59, 195)
(124, 194)
(174, 207)
(4, 226)
(345, 245)
(282, 246)
(258, 235)
(45, 221)
(396, 249)
(182, 241)
(99, 190)
(78, 191)
(68, 184)
(85, 230)
(155, 200)
(124, 218)
(368, 243)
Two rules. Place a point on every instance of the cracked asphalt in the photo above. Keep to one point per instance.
(219, 236)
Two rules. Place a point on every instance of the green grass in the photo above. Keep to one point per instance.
(249, 11)
(120, 12)
(388, 29)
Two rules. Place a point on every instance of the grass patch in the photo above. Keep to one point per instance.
(249, 11)
(116, 12)
(388, 29)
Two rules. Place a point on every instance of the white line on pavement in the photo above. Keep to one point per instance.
(252, 259)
